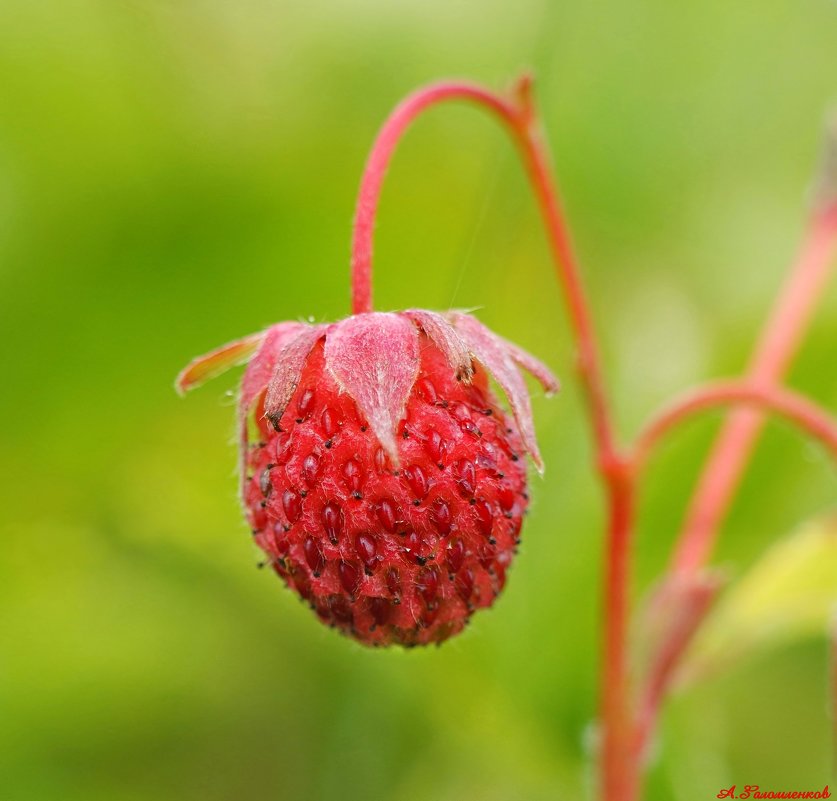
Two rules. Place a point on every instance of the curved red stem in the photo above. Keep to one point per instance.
(791, 405)
(376, 166)
(517, 113)
(779, 343)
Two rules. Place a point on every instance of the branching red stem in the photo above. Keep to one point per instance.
(797, 409)
(779, 343)
(724, 469)
(791, 405)
(517, 112)
(626, 729)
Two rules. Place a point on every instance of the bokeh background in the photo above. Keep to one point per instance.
(177, 174)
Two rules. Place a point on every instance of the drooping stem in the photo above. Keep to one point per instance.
(517, 113)
(777, 346)
(376, 166)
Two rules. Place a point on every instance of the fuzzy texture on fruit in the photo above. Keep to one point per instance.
(379, 474)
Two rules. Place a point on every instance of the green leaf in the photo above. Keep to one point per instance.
(789, 594)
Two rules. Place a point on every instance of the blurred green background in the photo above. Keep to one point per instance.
(177, 174)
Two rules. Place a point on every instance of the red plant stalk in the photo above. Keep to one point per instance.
(780, 340)
(756, 394)
(695, 591)
(518, 114)
(791, 405)
(776, 348)
(626, 728)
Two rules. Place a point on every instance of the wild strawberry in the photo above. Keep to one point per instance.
(379, 474)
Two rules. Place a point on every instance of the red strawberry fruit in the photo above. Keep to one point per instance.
(378, 473)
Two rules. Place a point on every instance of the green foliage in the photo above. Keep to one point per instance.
(788, 594)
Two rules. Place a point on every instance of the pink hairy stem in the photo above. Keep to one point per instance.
(276, 357)
(518, 115)
(378, 162)
(517, 112)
